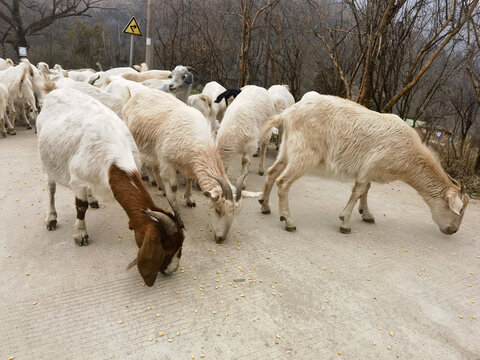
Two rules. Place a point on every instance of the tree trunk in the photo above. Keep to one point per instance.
(477, 163)
(267, 51)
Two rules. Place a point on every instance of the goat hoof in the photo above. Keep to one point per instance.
(291, 228)
(368, 220)
(13, 132)
(266, 211)
(28, 127)
(360, 211)
(283, 218)
(94, 204)
(260, 173)
(345, 230)
(4, 134)
(81, 241)
(191, 204)
(52, 225)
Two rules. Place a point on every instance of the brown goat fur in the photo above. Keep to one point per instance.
(156, 247)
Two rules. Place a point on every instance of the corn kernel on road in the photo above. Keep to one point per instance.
(398, 284)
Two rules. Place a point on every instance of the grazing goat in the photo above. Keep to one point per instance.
(83, 145)
(213, 90)
(171, 137)
(204, 104)
(239, 132)
(344, 139)
(282, 99)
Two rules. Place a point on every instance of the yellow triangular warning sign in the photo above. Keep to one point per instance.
(132, 28)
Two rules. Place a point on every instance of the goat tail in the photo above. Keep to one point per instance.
(273, 121)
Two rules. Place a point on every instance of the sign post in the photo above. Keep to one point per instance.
(132, 29)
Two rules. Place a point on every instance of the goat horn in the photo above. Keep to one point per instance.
(239, 186)
(189, 68)
(133, 263)
(226, 189)
(168, 224)
(453, 180)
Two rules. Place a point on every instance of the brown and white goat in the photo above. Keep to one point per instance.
(86, 147)
(344, 139)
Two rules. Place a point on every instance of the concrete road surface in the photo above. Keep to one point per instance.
(397, 289)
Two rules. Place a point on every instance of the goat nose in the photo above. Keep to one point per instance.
(170, 86)
(219, 238)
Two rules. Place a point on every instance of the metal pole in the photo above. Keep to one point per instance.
(131, 51)
(148, 49)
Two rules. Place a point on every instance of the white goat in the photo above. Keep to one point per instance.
(171, 137)
(81, 75)
(282, 99)
(141, 68)
(4, 65)
(121, 88)
(204, 104)
(83, 145)
(115, 103)
(147, 75)
(25, 104)
(102, 78)
(344, 139)
(311, 95)
(239, 132)
(213, 89)
(181, 82)
(14, 78)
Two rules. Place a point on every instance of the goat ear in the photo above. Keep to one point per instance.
(149, 259)
(212, 195)
(455, 204)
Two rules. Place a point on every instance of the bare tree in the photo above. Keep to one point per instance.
(249, 17)
(23, 18)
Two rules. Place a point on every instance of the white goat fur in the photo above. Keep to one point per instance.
(344, 139)
(14, 78)
(282, 99)
(239, 132)
(311, 95)
(204, 104)
(115, 103)
(72, 155)
(4, 64)
(213, 89)
(172, 136)
(3, 108)
(147, 75)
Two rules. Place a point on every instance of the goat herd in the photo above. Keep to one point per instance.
(99, 133)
